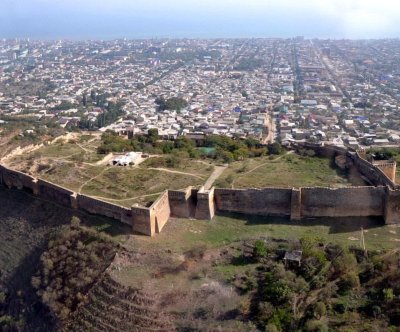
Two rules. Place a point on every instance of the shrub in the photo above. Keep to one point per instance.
(265, 312)
(388, 294)
(275, 290)
(316, 326)
(72, 262)
(319, 310)
(348, 282)
(345, 263)
(260, 250)
(275, 148)
(271, 328)
(341, 307)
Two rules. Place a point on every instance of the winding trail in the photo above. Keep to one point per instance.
(175, 172)
(126, 199)
(263, 164)
(91, 179)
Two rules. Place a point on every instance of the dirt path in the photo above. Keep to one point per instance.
(126, 199)
(263, 164)
(91, 179)
(269, 123)
(83, 148)
(175, 172)
(31, 148)
(268, 162)
(105, 160)
(214, 176)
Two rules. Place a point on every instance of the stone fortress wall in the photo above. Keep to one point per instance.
(382, 198)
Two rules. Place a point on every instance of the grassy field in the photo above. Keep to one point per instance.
(127, 183)
(290, 170)
(181, 234)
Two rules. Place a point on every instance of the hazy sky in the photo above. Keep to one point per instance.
(83, 19)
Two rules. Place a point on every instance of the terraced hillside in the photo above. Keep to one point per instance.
(114, 307)
(26, 224)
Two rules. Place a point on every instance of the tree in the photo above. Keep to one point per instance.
(226, 156)
(174, 103)
(275, 148)
(152, 135)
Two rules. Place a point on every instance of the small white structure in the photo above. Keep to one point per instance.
(128, 159)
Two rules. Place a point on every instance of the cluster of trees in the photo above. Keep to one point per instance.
(333, 287)
(383, 153)
(222, 148)
(174, 103)
(112, 111)
(72, 263)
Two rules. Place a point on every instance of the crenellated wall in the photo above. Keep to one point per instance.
(382, 199)
(298, 203)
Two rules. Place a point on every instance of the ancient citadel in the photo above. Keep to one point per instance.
(381, 198)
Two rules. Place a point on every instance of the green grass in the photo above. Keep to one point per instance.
(72, 151)
(60, 150)
(289, 171)
(181, 234)
(226, 272)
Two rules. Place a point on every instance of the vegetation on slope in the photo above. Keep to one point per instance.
(26, 224)
(69, 267)
(114, 307)
(332, 289)
(222, 148)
